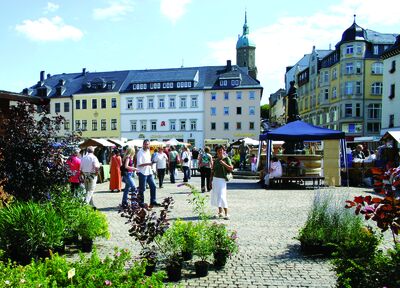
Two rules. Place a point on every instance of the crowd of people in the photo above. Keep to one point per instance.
(129, 164)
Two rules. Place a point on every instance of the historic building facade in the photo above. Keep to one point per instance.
(342, 88)
(391, 88)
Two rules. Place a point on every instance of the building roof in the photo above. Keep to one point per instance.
(392, 50)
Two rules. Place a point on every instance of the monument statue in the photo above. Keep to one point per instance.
(293, 111)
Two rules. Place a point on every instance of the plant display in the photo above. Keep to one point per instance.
(87, 272)
(225, 241)
(28, 153)
(328, 224)
(385, 211)
(203, 244)
(29, 228)
(199, 202)
(91, 223)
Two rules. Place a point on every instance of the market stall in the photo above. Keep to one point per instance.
(334, 143)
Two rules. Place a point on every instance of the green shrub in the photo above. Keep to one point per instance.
(28, 228)
(329, 223)
(91, 223)
(89, 272)
(203, 244)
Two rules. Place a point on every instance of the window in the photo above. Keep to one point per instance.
(391, 120)
(334, 95)
(94, 125)
(349, 68)
(103, 103)
(376, 88)
(113, 124)
(182, 125)
(66, 107)
(223, 83)
(349, 49)
(238, 110)
(66, 125)
(226, 125)
(84, 104)
(213, 96)
(77, 124)
(172, 102)
(393, 69)
(358, 67)
(373, 127)
(182, 102)
(252, 95)
(226, 110)
(139, 104)
(238, 125)
(94, 103)
(348, 110)
(358, 109)
(326, 93)
(377, 68)
(133, 124)
(77, 104)
(252, 110)
(193, 101)
(376, 49)
(226, 95)
(143, 125)
(374, 111)
(251, 126)
(153, 124)
(57, 107)
(213, 126)
(193, 125)
(113, 102)
(161, 103)
(150, 103)
(358, 87)
(84, 125)
(238, 95)
(129, 103)
(348, 88)
(392, 91)
(334, 74)
(103, 124)
(359, 49)
(326, 77)
(172, 125)
(213, 111)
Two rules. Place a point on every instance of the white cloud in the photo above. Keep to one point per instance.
(173, 9)
(45, 29)
(285, 42)
(51, 7)
(115, 11)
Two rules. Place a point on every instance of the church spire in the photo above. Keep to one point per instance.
(245, 27)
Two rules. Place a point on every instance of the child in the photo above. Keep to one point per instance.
(253, 161)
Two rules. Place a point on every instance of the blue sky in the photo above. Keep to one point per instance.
(102, 35)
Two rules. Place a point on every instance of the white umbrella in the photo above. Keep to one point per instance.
(173, 142)
(135, 142)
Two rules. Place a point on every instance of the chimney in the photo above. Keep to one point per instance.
(41, 76)
(228, 65)
(48, 75)
(83, 71)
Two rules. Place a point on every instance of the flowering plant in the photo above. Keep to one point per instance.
(223, 239)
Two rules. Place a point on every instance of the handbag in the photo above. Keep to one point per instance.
(228, 174)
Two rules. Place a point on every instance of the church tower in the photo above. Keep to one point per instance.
(246, 51)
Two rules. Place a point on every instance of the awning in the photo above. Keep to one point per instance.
(96, 142)
(391, 134)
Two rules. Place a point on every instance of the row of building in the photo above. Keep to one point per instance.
(351, 88)
(190, 104)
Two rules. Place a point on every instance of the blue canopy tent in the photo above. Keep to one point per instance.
(302, 131)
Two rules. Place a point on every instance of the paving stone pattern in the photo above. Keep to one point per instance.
(266, 222)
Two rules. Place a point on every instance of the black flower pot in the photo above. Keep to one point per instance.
(174, 271)
(86, 245)
(220, 258)
(187, 255)
(43, 253)
(201, 268)
(71, 240)
(317, 249)
(150, 267)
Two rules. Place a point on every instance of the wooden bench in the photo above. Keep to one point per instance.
(285, 181)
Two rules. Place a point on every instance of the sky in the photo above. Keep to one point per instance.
(64, 36)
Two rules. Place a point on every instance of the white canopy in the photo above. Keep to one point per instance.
(96, 142)
(135, 142)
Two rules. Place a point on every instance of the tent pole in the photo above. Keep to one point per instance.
(259, 152)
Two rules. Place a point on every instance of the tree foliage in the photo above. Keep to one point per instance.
(264, 111)
(31, 163)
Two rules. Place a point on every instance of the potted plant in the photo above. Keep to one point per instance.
(203, 247)
(92, 224)
(224, 244)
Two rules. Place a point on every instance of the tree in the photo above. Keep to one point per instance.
(31, 164)
(264, 111)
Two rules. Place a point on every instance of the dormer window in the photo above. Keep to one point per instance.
(393, 68)
(235, 82)
(223, 83)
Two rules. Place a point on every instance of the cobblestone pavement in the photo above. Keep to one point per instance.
(266, 222)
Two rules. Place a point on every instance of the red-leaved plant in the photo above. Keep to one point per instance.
(384, 211)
